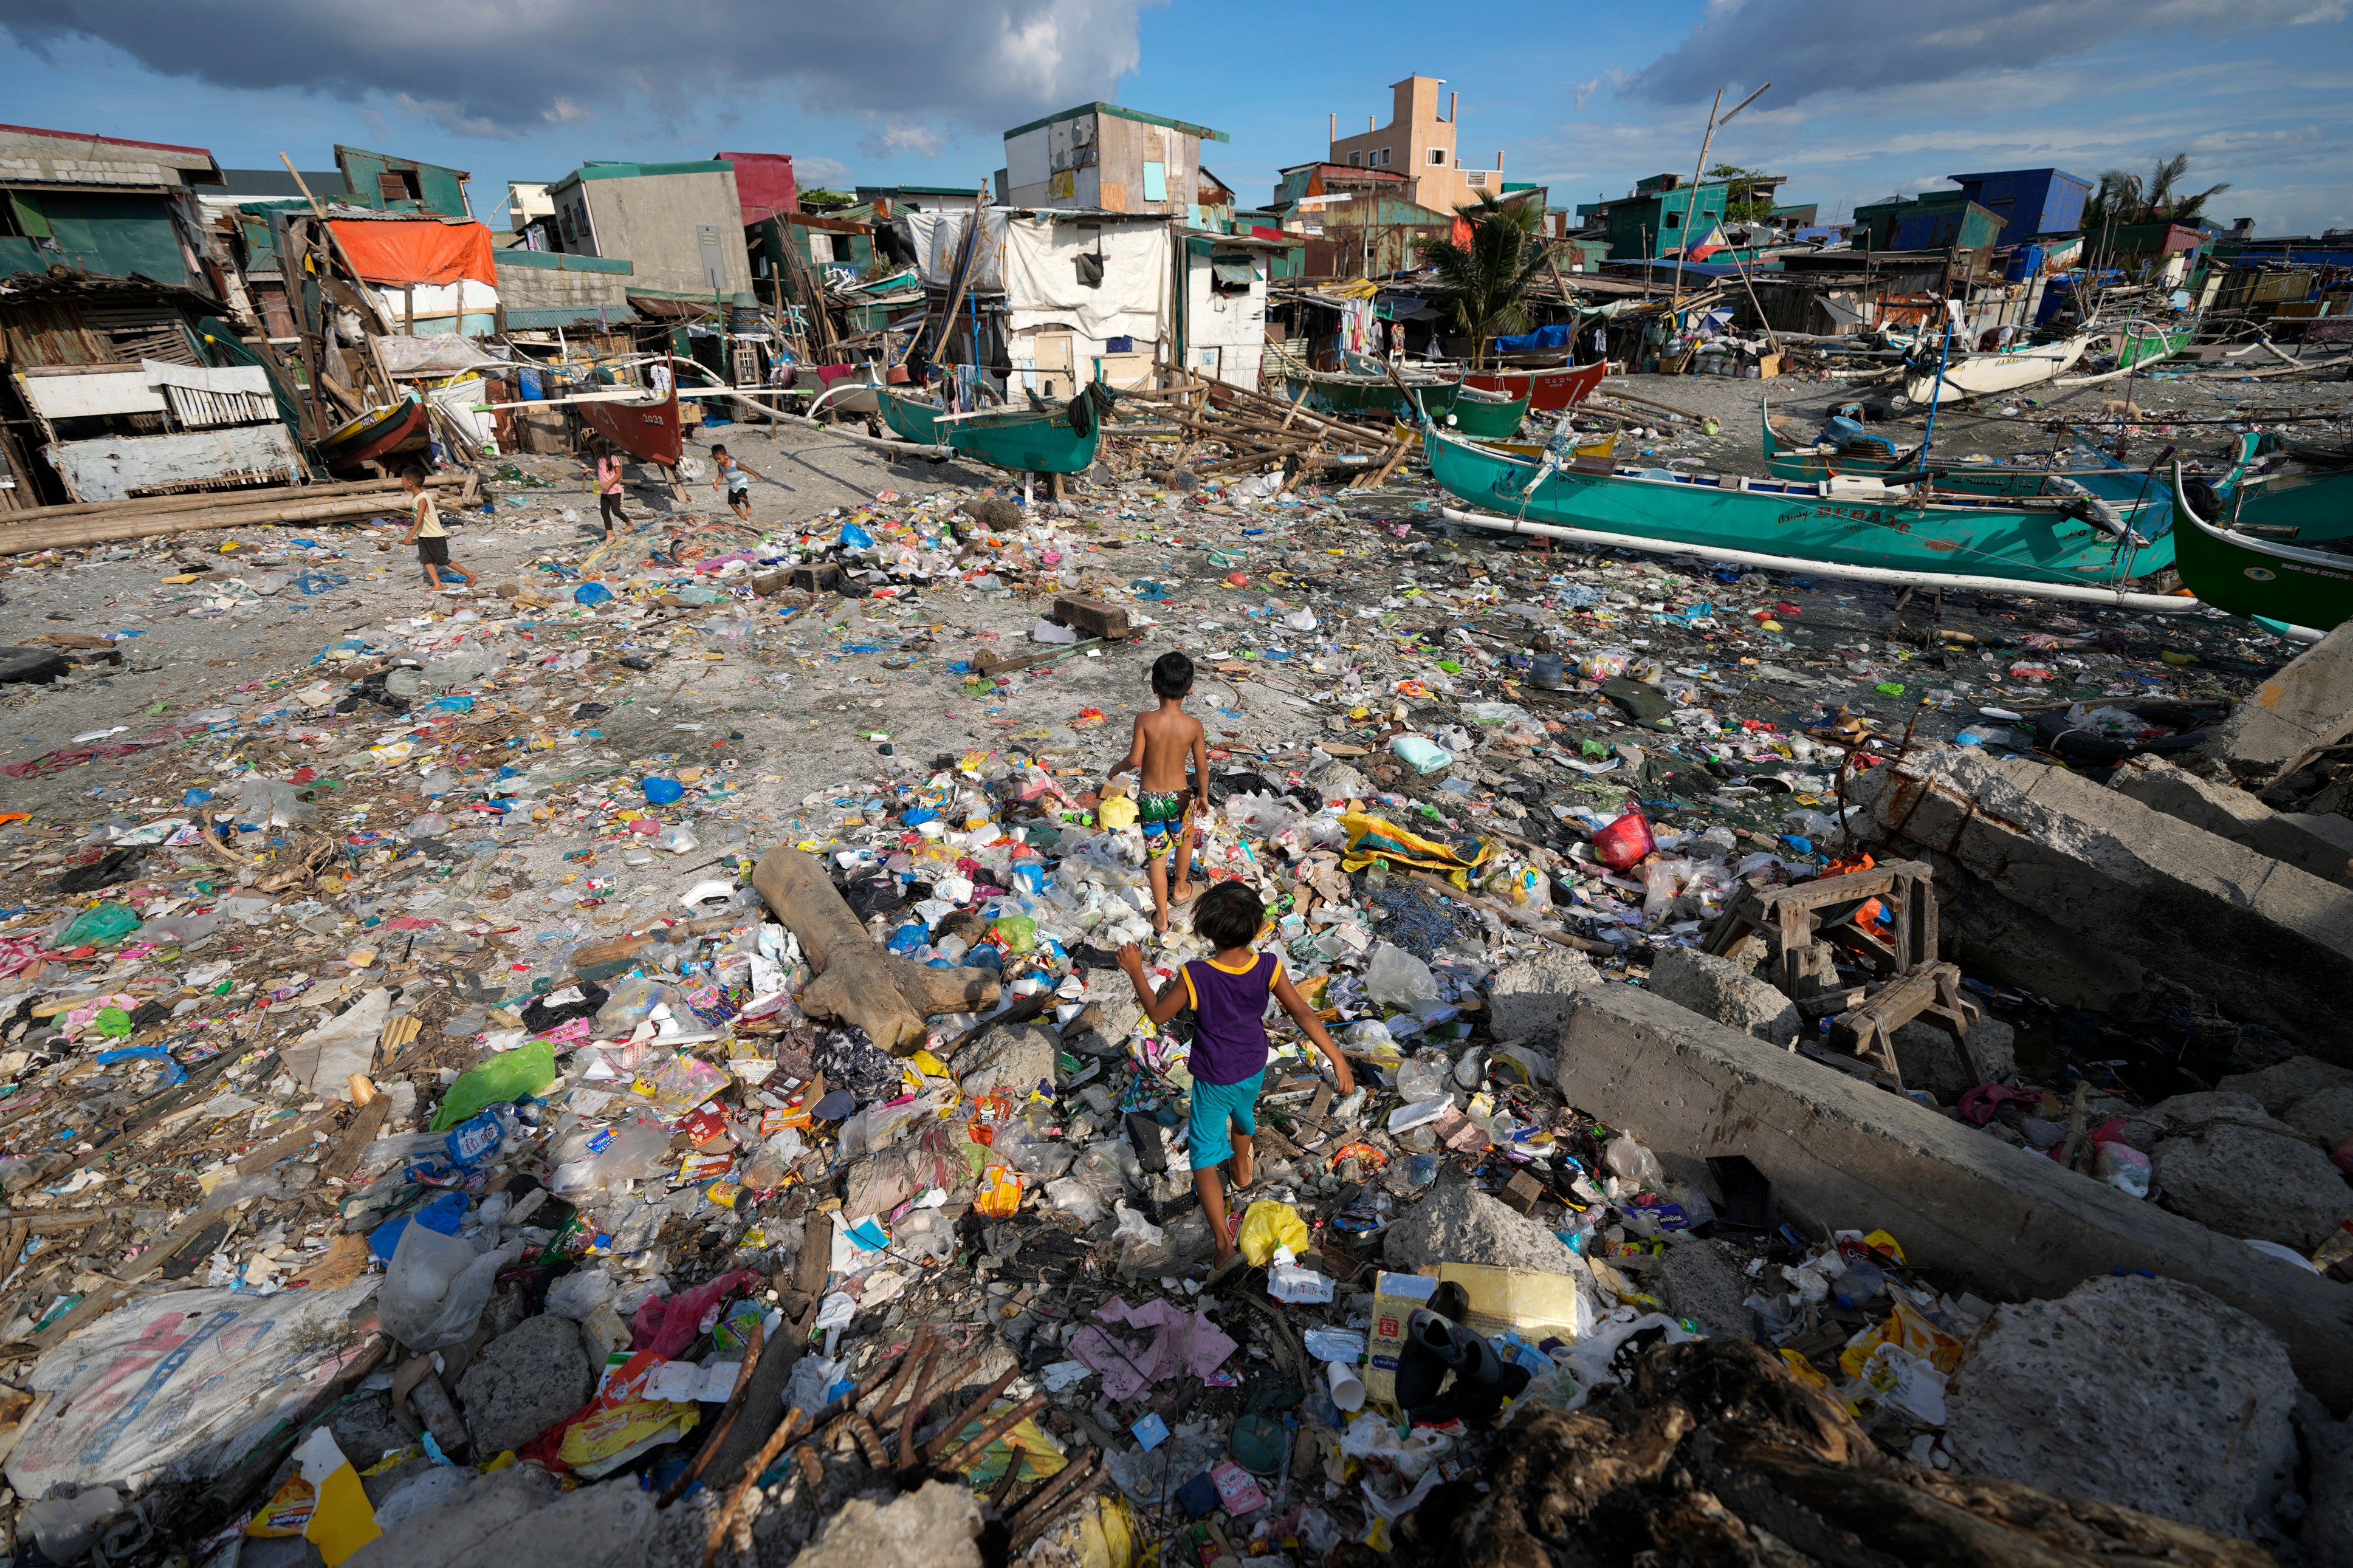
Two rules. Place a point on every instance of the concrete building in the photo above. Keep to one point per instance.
(528, 202)
(680, 225)
(1419, 144)
(1223, 324)
(543, 291)
(109, 207)
(1104, 157)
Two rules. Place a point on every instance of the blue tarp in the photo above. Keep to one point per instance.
(1554, 337)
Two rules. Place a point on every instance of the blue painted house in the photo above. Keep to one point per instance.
(2028, 201)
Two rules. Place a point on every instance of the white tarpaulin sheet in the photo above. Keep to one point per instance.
(438, 354)
(176, 1386)
(1034, 263)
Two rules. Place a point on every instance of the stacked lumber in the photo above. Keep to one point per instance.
(108, 522)
(1259, 432)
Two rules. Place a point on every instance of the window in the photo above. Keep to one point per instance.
(1381, 159)
(398, 185)
(1438, 157)
(1156, 182)
(1671, 220)
(1356, 159)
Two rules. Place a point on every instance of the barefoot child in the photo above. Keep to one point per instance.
(738, 480)
(1227, 994)
(426, 532)
(1165, 739)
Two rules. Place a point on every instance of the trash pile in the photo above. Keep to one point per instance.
(456, 1083)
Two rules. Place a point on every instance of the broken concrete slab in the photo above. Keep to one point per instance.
(523, 1383)
(2181, 1114)
(2206, 1392)
(2246, 1182)
(2005, 1223)
(935, 1527)
(1457, 1223)
(2307, 706)
(2320, 845)
(1719, 989)
(2082, 894)
(1533, 994)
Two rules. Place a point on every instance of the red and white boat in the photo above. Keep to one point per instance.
(1546, 390)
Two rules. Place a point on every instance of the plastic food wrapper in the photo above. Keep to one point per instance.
(611, 1437)
(1000, 1193)
(157, 1390)
(1172, 1340)
(1907, 1329)
(1372, 838)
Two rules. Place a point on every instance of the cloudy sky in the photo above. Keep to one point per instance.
(1868, 99)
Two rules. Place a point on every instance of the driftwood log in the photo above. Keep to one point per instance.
(890, 997)
(1717, 1454)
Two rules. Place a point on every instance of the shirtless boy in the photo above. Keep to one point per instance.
(1166, 739)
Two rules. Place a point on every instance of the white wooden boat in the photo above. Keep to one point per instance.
(2005, 370)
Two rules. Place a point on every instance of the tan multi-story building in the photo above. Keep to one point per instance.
(1419, 144)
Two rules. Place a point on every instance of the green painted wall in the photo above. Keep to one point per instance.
(110, 235)
(440, 190)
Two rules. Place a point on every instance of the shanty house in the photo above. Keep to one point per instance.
(1665, 212)
(678, 226)
(1107, 158)
(2028, 201)
(101, 205)
(389, 184)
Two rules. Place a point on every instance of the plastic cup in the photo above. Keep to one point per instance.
(1347, 1388)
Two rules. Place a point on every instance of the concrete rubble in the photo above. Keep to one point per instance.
(437, 1064)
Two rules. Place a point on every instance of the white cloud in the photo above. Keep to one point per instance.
(897, 137)
(826, 172)
(484, 70)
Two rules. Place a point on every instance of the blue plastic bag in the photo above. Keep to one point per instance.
(855, 538)
(592, 593)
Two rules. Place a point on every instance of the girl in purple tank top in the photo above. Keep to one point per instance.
(1227, 994)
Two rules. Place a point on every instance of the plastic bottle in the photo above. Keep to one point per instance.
(1862, 1280)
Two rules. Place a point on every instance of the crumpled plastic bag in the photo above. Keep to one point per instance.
(435, 1288)
(1395, 978)
(666, 1325)
(1267, 1225)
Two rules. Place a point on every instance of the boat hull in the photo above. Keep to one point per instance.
(910, 420)
(1548, 391)
(1484, 420)
(1368, 394)
(2148, 345)
(400, 428)
(649, 432)
(1037, 443)
(1982, 375)
(1959, 537)
(2249, 576)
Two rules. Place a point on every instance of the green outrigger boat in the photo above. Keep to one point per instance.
(2145, 343)
(1847, 520)
(1481, 415)
(1038, 441)
(1334, 392)
(2234, 569)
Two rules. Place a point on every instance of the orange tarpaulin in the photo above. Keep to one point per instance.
(397, 253)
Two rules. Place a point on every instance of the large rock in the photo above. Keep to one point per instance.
(2246, 1182)
(1531, 997)
(1931, 1059)
(2183, 1115)
(2142, 1393)
(1015, 1057)
(1719, 989)
(1457, 1223)
(2314, 1096)
(2074, 891)
(523, 1383)
(1702, 1282)
(935, 1527)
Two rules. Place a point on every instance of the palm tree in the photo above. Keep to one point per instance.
(2125, 198)
(1488, 279)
